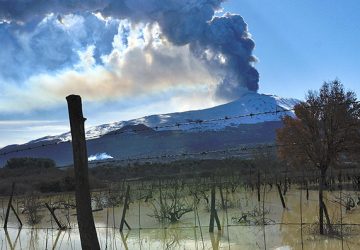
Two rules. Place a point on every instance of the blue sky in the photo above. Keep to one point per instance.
(302, 43)
(44, 57)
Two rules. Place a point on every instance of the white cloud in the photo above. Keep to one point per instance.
(147, 66)
(99, 156)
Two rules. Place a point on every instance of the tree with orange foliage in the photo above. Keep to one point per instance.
(326, 131)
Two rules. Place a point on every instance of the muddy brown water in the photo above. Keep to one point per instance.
(283, 232)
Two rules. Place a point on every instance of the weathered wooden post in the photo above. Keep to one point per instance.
(281, 196)
(9, 205)
(16, 215)
(307, 191)
(213, 213)
(212, 210)
(222, 197)
(327, 216)
(52, 212)
(87, 230)
(258, 186)
(126, 205)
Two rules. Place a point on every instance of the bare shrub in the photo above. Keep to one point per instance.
(255, 217)
(201, 192)
(337, 230)
(98, 200)
(113, 199)
(170, 206)
(32, 207)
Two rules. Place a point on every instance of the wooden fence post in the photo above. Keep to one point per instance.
(87, 230)
(9, 205)
(281, 196)
(222, 197)
(258, 186)
(212, 210)
(126, 204)
(16, 215)
(213, 214)
(307, 191)
(60, 226)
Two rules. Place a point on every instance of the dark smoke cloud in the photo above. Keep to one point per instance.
(223, 43)
(45, 45)
(25, 10)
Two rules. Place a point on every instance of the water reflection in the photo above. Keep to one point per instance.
(124, 239)
(284, 233)
(215, 240)
(11, 244)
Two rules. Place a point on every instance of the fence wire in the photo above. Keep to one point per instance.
(244, 218)
(198, 122)
(237, 202)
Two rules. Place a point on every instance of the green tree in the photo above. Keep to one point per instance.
(324, 132)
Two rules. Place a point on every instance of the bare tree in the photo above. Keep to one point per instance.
(324, 132)
(32, 207)
(170, 206)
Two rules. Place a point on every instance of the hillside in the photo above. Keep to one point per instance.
(241, 122)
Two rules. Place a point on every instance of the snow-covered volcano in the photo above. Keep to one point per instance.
(246, 110)
(251, 120)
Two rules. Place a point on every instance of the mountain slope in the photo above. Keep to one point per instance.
(221, 127)
(191, 121)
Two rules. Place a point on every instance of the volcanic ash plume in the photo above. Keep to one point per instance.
(222, 43)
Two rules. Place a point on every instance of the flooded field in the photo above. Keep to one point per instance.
(242, 221)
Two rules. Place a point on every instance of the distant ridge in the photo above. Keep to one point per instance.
(252, 119)
(250, 103)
